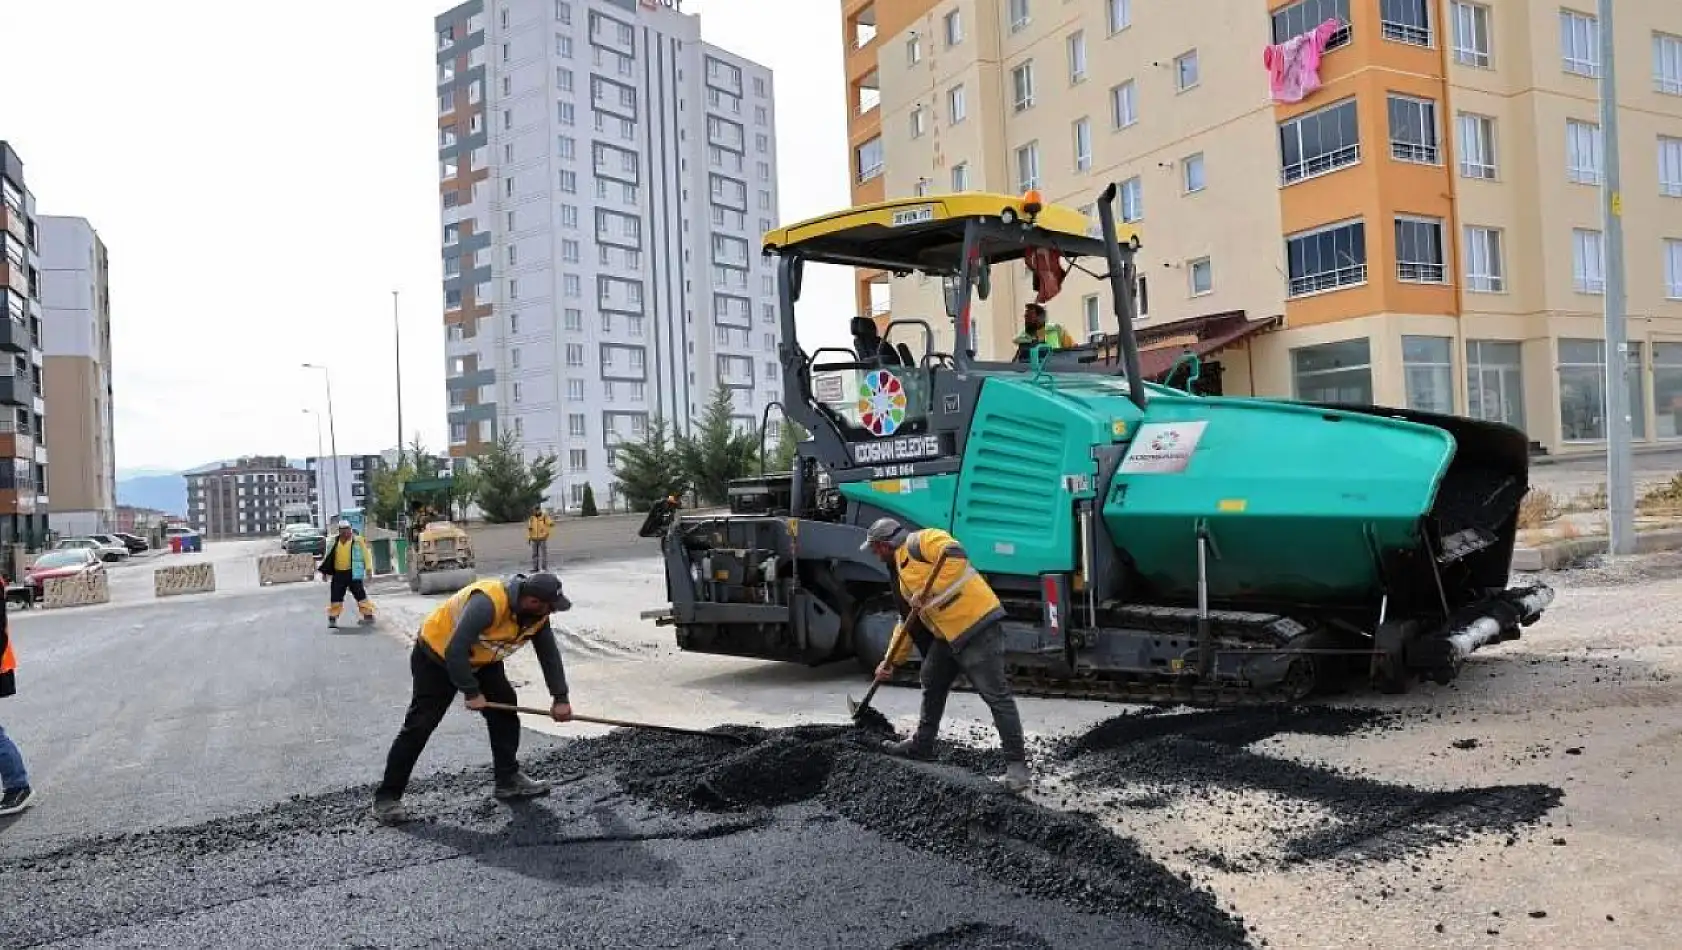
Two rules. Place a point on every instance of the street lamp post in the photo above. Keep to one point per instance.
(1620, 490)
(332, 434)
(320, 456)
(397, 348)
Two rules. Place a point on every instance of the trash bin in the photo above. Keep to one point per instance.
(175, 544)
(400, 552)
(382, 555)
(193, 544)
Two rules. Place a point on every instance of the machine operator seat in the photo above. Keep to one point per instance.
(869, 345)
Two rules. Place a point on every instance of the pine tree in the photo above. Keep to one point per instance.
(509, 488)
(793, 433)
(717, 452)
(648, 471)
(588, 507)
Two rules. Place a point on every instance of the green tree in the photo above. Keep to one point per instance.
(717, 452)
(648, 471)
(509, 488)
(386, 503)
(588, 507)
(782, 459)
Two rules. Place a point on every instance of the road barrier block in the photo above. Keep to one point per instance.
(285, 568)
(79, 591)
(184, 579)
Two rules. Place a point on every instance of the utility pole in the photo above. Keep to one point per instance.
(397, 347)
(332, 436)
(1620, 488)
(320, 459)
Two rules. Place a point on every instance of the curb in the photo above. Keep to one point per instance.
(1557, 555)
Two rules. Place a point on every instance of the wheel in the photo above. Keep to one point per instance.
(872, 631)
(414, 580)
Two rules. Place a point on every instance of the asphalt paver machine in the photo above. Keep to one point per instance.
(1149, 544)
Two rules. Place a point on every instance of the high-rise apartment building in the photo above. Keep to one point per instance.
(338, 483)
(1427, 223)
(23, 448)
(606, 177)
(244, 498)
(76, 338)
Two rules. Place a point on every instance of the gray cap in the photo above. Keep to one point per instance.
(882, 529)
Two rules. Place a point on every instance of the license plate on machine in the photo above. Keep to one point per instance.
(445, 548)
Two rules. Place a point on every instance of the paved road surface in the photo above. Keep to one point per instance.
(233, 741)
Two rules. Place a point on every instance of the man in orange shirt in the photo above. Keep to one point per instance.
(15, 794)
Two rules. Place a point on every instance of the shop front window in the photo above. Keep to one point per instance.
(1582, 390)
(1333, 372)
(1495, 382)
(1428, 365)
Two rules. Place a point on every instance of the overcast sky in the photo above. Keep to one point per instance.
(265, 175)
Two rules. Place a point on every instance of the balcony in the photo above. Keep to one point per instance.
(16, 391)
(14, 336)
(16, 444)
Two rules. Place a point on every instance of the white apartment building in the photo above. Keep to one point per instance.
(76, 372)
(606, 178)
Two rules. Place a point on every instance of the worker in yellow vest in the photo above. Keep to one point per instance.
(1035, 330)
(346, 564)
(956, 625)
(538, 527)
(460, 649)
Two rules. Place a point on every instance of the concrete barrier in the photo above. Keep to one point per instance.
(285, 568)
(79, 591)
(184, 579)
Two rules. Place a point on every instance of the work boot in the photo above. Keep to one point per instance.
(1017, 777)
(910, 749)
(332, 623)
(16, 800)
(367, 620)
(390, 811)
(521, 786)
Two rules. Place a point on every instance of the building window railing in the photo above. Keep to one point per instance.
(1328, 280)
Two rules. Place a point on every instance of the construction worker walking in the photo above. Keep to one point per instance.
(538, 527)
(953, 617)
(347, 563)
(461, 647)
(15, 793)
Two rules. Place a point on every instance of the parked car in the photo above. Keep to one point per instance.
(311, 540)
(287, 532)
(64, 562)
(133, 542)
(105, 552)
(112, 540)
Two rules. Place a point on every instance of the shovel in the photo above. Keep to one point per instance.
(855, 708)
(535, 711)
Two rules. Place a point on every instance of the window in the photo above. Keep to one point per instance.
(1132, 198)
(1028, 167)
(869, 159)
(1471, 34)
(1018, 14)
(1667, 64)
(1413, 130)
(1022, 83)
(513, 324)
(918, 125)
(1300, 18)
(575, 425)
(1673, 269)
(954, 28)
(514, 358)
(1083, 144)
(575, 354)
(1333, 372)
(1419, 251)
(1495, 382)
(1185, 71)
(913, 52)
(1582, 390)
(1583, 152)
(1191, 174)
(1670, 166)
(519, 394)
(574, 319)
(1120, 15)
(1319, 142)
(1124, 106)
(1579, 43)
(1406, 21)
(1201, 276)
(1077, 56)
(1327, 258)
(1485, 270)
(1477, 146)
(1588, 261)
(960, 177)
(1090, 314)
(571, 286)
(1428, 371)
(957, 109)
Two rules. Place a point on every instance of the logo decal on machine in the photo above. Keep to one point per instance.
(881, 403)
(951, 402)
(909, 449)
(1162, 448)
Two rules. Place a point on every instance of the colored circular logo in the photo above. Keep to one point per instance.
(1165, 441)
(881, 402)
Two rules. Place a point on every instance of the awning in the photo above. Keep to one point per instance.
(1207, 336)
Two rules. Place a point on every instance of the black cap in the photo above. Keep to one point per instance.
(546, 587)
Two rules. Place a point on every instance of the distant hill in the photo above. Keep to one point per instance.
(160, 489)
(163, 492)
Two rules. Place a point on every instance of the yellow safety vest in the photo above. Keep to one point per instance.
(537, 527)
(959, 601)
(1051, 335)
(497, 643)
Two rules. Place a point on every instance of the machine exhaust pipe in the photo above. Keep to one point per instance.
(1486, 629)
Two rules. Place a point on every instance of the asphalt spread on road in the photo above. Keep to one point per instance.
(808, 836)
